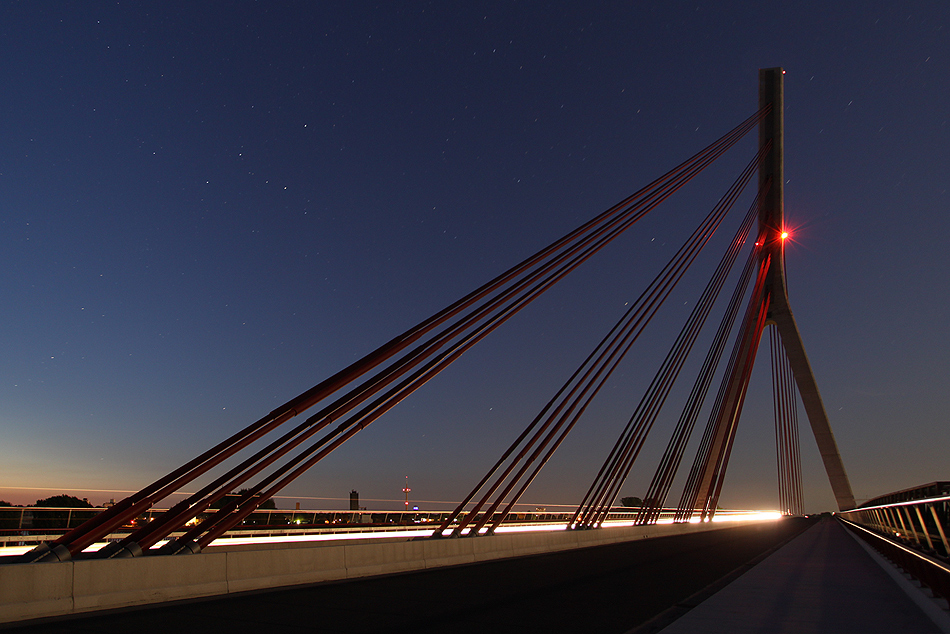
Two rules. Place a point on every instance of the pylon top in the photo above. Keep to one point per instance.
(772, 171)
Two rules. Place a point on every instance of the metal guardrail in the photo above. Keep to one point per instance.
(920, 524)
(20, 526)
(27, 526)
(33, 517)
(912, 533)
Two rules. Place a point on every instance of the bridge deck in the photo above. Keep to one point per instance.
(608, 588)
(822, 581)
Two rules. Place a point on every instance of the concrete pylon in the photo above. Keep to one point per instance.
(771, 224)
(770, 297)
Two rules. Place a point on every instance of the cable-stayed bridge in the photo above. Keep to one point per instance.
(747, 290)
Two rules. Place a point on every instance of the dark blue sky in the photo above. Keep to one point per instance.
(206, 208)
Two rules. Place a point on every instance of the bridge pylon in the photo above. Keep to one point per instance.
(771, 301)
(771, 225)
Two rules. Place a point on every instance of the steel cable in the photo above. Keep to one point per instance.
(618, 215)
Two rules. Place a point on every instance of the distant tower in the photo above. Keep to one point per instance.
(354, 500)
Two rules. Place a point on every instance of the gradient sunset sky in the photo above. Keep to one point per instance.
(206, 208)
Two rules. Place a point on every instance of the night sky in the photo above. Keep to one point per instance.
(207, 208)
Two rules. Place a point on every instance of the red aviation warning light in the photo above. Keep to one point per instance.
(784, 235)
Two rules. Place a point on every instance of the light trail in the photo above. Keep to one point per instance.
(721, 516)
(414, 533)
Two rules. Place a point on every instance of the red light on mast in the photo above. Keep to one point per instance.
(784, 235)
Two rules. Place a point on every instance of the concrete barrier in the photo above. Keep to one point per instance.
(31, 591)
(99, 584)
(259, 569)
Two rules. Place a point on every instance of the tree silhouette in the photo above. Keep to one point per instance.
(64, 501)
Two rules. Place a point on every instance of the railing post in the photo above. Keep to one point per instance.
(910, 522)
(943, 535)
(883, 521)
(923, 526)
(898, 521)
